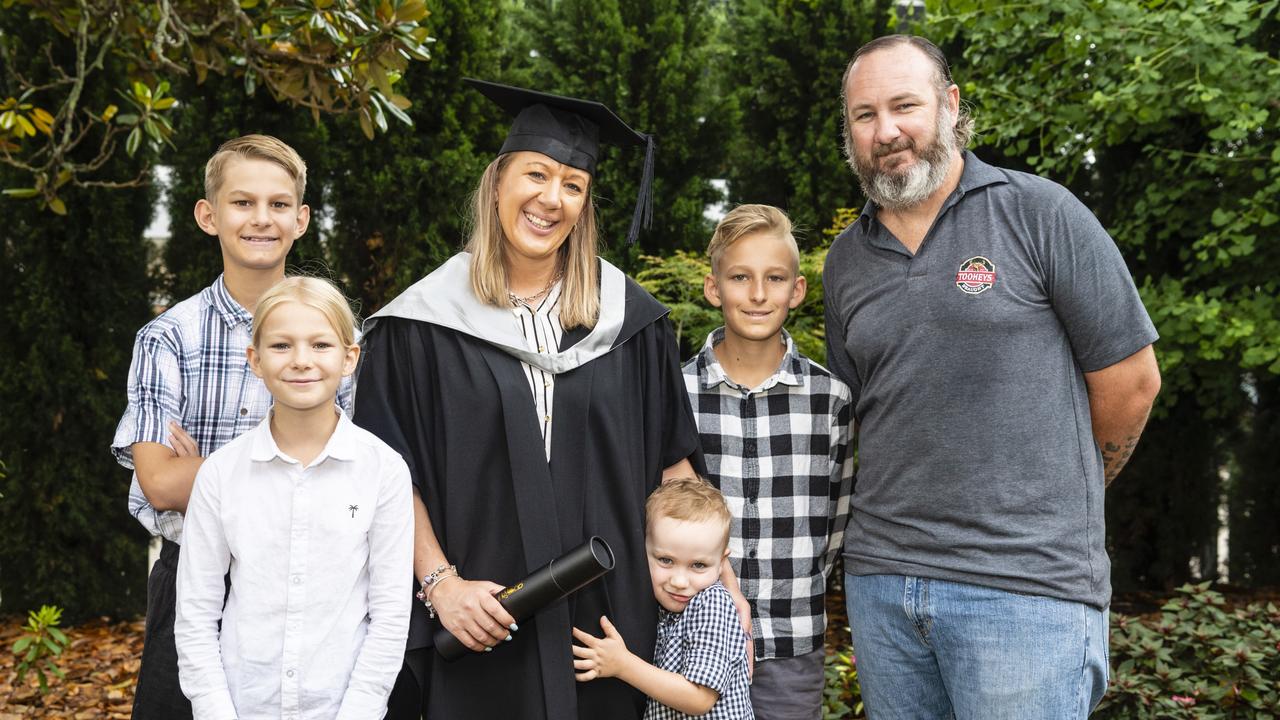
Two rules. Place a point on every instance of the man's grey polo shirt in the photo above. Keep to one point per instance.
(977, 461)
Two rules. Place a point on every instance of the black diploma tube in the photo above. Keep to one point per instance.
(565, 575)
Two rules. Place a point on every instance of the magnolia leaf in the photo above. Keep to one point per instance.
(60, 208)
(411, 11)
(379, 117)
(391, 108)
(365, 123)
(152, 130)
(109, 113)
(134, 139)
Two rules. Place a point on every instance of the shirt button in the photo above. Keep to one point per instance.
(244, 411)
(752, 553)
(751, 501)
(546, 418)
(296, 579)
(288, 673)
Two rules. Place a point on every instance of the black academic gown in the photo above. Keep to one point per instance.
(460, 412)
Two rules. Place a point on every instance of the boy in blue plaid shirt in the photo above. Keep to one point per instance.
(699, 661)
(775, 432)
(190, 387)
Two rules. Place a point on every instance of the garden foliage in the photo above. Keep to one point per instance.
(40, 645)
(326, 56)
(781, 83)
(1199, 658)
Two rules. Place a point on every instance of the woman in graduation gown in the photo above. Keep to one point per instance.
(535, 392)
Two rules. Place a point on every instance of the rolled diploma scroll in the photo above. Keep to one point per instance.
(557, 579)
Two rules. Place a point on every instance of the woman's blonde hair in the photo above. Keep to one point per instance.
(688, 499)
(747, 220)
(254, 147)
(580, 292)
(313, 293)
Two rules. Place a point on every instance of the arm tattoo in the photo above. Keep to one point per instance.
(1115, 456)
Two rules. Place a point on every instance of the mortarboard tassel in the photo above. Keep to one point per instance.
(644, 198)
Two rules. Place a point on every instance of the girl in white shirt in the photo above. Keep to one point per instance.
(312, 517)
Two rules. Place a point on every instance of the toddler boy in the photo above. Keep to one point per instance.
(699, 663)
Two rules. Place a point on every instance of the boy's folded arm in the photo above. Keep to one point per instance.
(669, 688)
(390, 603)
(202, 566)
(165, 478)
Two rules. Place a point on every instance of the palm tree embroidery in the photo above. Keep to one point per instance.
(353, 509)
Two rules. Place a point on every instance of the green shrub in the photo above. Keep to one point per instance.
(841, 696)
(40, 643)
(1198, 659)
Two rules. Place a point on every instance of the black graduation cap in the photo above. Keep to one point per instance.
(570, 130)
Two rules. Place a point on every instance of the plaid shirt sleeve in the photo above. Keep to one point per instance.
(714, 641)
(154, 397)
(842, 473)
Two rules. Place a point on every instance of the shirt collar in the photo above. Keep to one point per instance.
(711, 374)
(231, 312)
(976, 174)
(341, 445)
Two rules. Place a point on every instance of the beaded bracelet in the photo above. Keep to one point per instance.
(429, 582)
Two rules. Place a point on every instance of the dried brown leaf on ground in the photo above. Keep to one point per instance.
(101, 666)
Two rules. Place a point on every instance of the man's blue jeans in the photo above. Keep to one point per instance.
(936, 649)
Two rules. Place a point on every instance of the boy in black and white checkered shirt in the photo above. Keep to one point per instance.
(699, 662)
(775, 432)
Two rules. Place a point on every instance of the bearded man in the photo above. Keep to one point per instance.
(1002, 371)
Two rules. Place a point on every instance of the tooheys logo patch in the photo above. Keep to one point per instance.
(977, 275)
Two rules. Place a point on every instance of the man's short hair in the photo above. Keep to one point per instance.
(747, 220)
(254, 147)
(941, 75)
(688, 499)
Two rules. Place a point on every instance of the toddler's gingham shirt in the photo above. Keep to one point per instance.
(706, 645)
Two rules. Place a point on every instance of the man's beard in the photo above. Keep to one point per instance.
(902, 190)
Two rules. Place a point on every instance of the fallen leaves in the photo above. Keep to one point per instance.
(101, 663)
